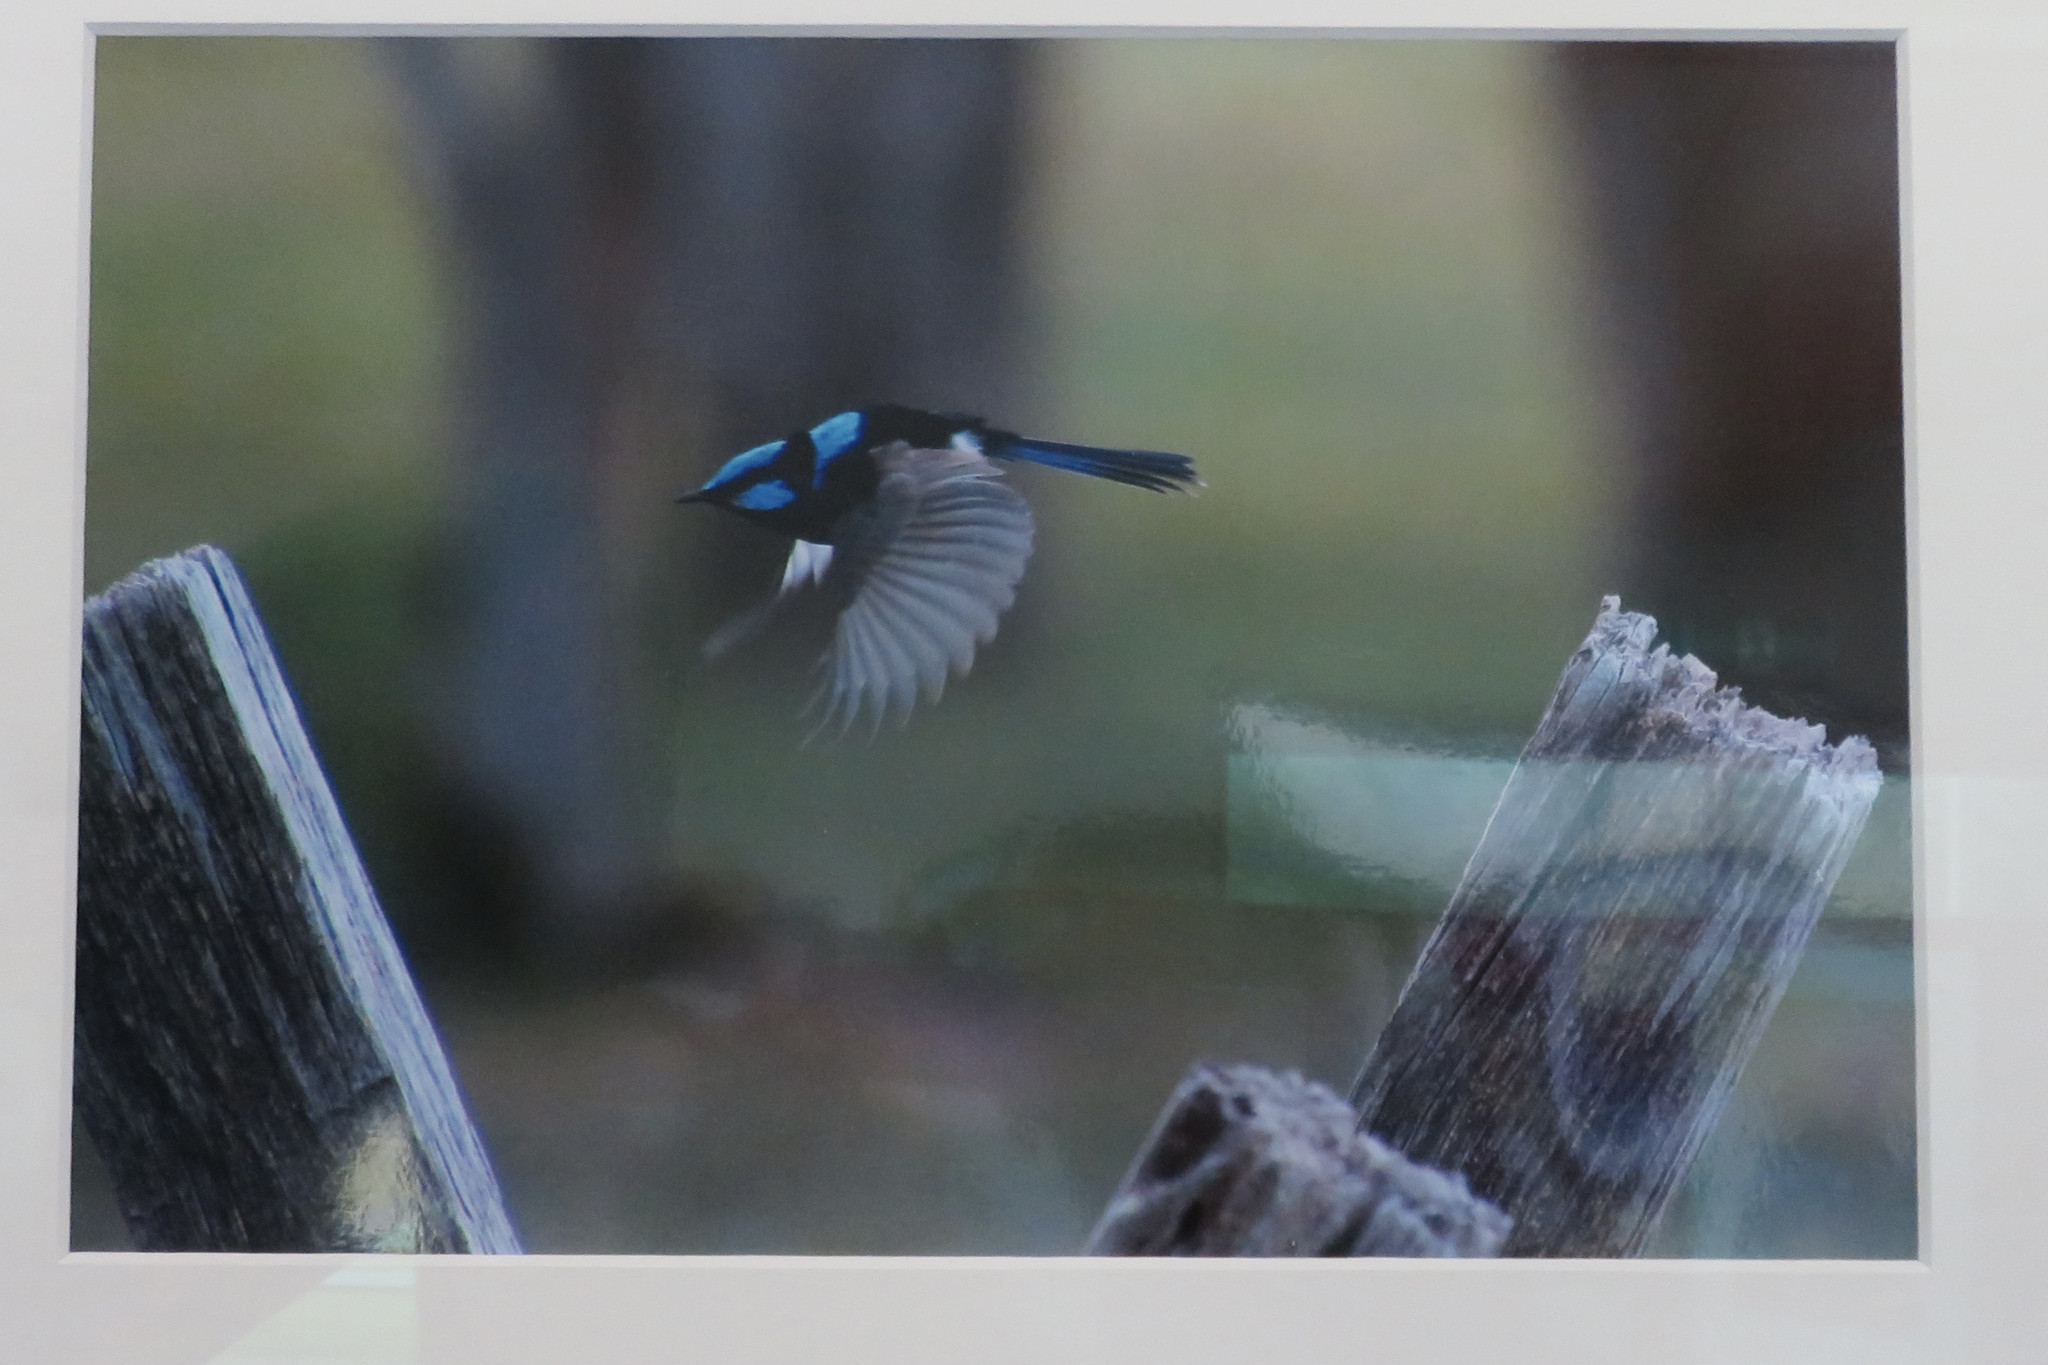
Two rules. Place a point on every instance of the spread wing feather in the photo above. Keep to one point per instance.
(923, 569)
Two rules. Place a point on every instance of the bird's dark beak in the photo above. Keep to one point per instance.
(695, 496)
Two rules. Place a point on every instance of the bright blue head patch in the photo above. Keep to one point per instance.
(834, 437)
(745, 463)
(765, 497)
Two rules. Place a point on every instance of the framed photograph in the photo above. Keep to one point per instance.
(824, 823)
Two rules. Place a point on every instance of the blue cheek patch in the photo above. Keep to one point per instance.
(765, 497)
(834, 437)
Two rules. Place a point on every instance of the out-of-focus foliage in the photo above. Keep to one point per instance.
(265, 327)
(1341, 275)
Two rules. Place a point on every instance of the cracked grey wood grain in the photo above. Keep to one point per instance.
(252, 1059)
(1250, 1162)
(1616, 945)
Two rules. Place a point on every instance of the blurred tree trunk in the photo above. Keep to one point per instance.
(664, 250)
(1745, 207)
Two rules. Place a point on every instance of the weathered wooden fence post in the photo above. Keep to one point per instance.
(1571, 1033)
(1620, 938)
(253, 1061)
(1249, 1162)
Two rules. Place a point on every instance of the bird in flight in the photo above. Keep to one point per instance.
(902, 518)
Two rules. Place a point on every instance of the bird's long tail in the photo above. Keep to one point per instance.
(1154, 469)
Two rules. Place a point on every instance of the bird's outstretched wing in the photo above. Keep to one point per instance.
(922, 569)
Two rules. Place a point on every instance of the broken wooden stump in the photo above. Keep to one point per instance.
(1249, 1162)
(1616, 945)
(1570, 1035)
(253, 1061)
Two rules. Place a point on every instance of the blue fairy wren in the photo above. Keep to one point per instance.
(903, 519)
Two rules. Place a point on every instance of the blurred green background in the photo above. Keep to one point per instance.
(926, 995)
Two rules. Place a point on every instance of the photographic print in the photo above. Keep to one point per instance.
(996, 646)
